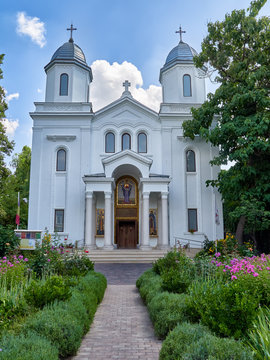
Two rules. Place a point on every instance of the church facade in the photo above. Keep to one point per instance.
(123, 176)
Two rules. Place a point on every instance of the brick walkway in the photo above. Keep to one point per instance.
(121, 328)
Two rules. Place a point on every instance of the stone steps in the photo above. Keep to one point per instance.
(125, 256)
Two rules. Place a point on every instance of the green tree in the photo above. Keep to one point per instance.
(17, 182)
(236, 118)
(6, 146)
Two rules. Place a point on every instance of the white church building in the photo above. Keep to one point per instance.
(123, 176)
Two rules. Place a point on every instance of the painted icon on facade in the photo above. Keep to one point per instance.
(100, 222)
(126, 192)
(153, 228)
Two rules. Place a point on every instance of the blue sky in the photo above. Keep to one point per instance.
(139, 32)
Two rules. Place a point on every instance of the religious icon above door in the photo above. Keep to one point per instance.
(126, 192)
(153, 229)
(100, 222)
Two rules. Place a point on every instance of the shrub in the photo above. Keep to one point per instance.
(29, 346)
(258, 336)
(172, 260)
(179, 339)
(76, 265)
(41, 293)
(227, 309)
(176, 280)
(8, 240)
(94, 281)
(150, 284)
(210, 347)
(59, 326)
(166, 311)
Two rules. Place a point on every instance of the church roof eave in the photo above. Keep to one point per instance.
(69, 61)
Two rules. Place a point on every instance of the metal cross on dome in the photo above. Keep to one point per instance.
(126, 84)
(180, 31)
(71, 29)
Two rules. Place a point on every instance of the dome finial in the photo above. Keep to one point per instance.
(180, 31)
(71, 29)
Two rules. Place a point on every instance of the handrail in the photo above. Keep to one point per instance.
(188, 241)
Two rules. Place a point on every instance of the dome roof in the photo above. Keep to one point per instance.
(69, 51)
(182, 52)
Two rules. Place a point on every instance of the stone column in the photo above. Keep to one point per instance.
(108, 222)
(145, 222)
(164, 228)
(89, 238)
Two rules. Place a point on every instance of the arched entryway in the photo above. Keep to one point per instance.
(126, 213)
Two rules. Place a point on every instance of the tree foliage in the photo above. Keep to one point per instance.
(236, 118)
(6, 146)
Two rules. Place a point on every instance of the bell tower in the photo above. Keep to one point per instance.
(68, 75)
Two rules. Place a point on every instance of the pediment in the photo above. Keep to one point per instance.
(126, 114)
(127, 157)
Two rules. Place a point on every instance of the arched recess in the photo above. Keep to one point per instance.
(61, 159)
(126, 210)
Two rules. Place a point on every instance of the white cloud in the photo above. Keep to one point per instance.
(12, 96)
(31, 26)
(108, 80)
(11, 126)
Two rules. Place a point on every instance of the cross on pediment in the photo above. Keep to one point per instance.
(180, 31)
(71, 29)
(126, 84)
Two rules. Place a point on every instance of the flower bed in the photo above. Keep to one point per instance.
(223, 294)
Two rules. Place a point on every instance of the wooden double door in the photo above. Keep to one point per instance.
(127, 234)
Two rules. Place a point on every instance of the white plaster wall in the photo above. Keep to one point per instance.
(172, 85)
(78, 84)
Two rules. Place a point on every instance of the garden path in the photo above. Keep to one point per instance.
(121, 328)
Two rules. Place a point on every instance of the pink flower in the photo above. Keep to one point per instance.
(25, 259)
(234, 277)
(255, 274)
(218, 254)
(49, 260)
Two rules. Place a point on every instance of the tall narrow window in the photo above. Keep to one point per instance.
(61, 160)
(59, 220)
(190, 160)
(142, 143)
(110, 142)
(126, 142)
(187, 85)
(192, 220)
(63, 84)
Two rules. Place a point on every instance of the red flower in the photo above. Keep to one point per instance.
(86, 251)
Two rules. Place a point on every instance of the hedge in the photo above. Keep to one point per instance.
(59, 327)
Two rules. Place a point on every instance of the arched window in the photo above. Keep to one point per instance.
(63, 84)
(61, 160)
(142, 143)
(190, 160)
(187, 85)
(126, 141)
(110, 142)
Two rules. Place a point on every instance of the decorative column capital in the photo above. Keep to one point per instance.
(89, 194)
(146, 194)
(164, 195)
(108, 194)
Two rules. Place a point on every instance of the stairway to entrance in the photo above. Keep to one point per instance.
(126, 256)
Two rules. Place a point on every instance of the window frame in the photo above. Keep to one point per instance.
(138, 143)
(187, 75)
(109, 152)
(187, 169)
(57, 167)
(126, 133)
(63, 223)
(60, 87)
(189, 227)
